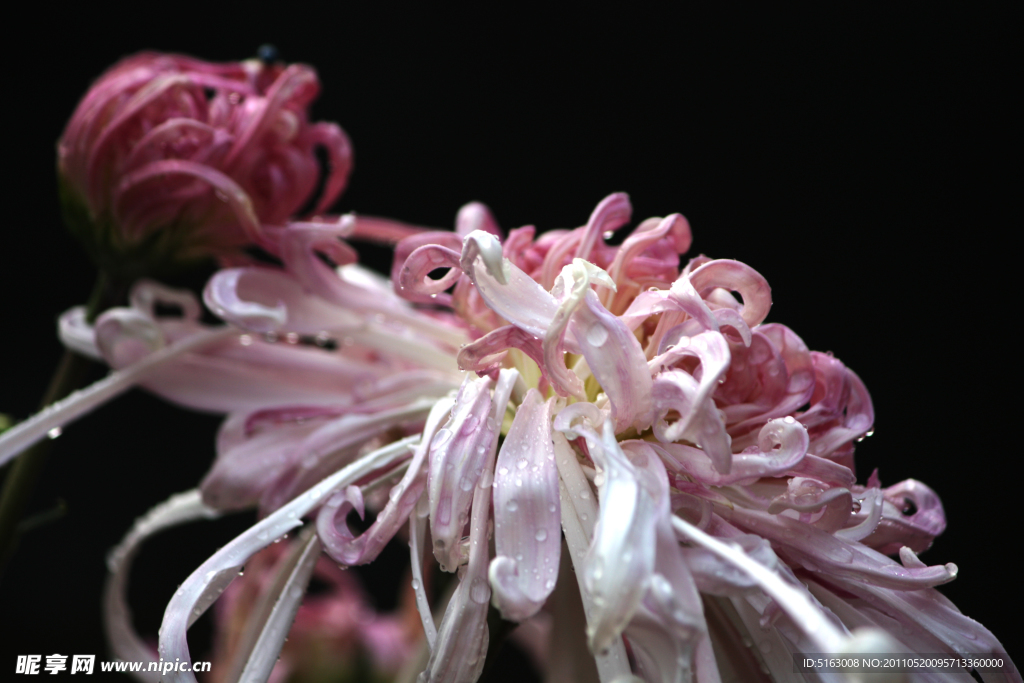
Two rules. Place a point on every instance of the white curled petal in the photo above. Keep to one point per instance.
(527, 541)
(620, 561)
(124, 642)
(512, 294)
(77, 334)
(207, 582)
(458, 454)
(618, 363)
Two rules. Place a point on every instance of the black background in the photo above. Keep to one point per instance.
(860, 162)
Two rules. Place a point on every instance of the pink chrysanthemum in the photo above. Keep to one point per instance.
(169, 159)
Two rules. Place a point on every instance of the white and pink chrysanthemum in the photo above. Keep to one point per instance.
(697, 461)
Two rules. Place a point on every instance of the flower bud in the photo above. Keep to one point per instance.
(169, 159)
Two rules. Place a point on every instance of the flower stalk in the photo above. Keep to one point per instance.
(71, 373)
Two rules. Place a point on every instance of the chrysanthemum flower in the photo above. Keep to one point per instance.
(697, 461)
(169, 159)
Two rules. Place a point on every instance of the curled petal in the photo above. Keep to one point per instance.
(619, 564)
(265, 300)
(610, 214)
(227, 190)
(677, 391)
(117, 620)
(476, 216)
(527, 538)
(871, 506)
(339, 542)
(782, 444)
(77, 334)
(737, 277)
(506, 289)
(819, 551)
(912, 515)
(460, 650)
(618, 363)
(205, 584)
(414, 277)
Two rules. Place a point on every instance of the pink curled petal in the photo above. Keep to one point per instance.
(150, 92)
(647, 233)
(736, 277)
(726, 317)
(519, 299)
(782, 445)
(266, 300)
(296, 86)
(519, 247)
(864, 524)
(476, 216)
(333, 139)
(483, 355)
(610, 214)
(414, 277)
(527, 516)
(620, 561)
(226, 189)
(819, 551)
(77, 334)
(674, 390)
(336, 538)
(407, 246)
(195, 136)
(339, 542)
(824, 470)
(207, 582)
(458, 455)
(688, 300)
(388, 231)
(334, 444)
(806, 495)
(712, 350)
(617, 361)
(912, 516)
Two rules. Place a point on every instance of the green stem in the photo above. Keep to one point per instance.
(24, 473)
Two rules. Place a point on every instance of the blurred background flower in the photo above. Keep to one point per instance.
(855, 159)
(169, 159)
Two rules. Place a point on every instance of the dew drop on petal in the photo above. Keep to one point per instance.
(512, 505)
(479, 591)
(541, 535)
(597, 335)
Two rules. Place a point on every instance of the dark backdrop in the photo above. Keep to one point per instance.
(859, 161)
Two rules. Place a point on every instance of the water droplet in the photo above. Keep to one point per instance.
(597, 335)
(549, 584)
(415, 585)
(479, 591)
(470, 424)
(466, 484)
(512, 505)
(541, 535)
(503, 471)
(584, 494)
(54, 433)
(608, 234)
(522, 463)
